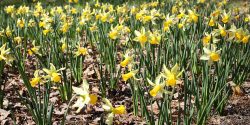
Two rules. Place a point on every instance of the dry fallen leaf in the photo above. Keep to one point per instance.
(3, 114)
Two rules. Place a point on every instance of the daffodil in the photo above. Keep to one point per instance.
(245, 39)
(127, 59)
(18, 39)
(8, 32)
(47, 30)
(172, 76)
(84, 97)
(121, 109)
(201, 1)
(53, 74)
(129, 75)
(236, 34)
(93, 27)
(209, 38)
(36, 79)
(181, 14)
(81, 51)
(222, 30)
(155, 38)
(193, 16)
(113, 34)
(64, 45)
(211, 55)
(141, 36)
(158, 88)
(216, 13)
(21, 23)
(4, 52)
(174, 9)
(23, 10)
(168, 23)
(34, 49)
(9, 9)
(212, 22)
(225, 17)
(65, 27)
(247, 18)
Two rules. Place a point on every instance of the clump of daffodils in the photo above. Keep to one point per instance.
(239, 35)
(112, 111)
(118, 31)
(84, 97)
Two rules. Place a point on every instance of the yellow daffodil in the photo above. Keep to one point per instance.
(8, 32)
(158, 88)
(209, 38)
(181, 14)
(75, 1)
(212, 22)
(174, 9)
(73, 10)
(212, 55)
(81, 51)
(64, 47)
(65, 27)
(141, 37)
(155, 38)
(216, 13)
(47, 30)
(247, 18)
(206, 39)
(23, 10)
(34, 49)
(168, 23)
(31, 23)
(113, 34)
(127, 59)
(107, 106)
(9, 9)
(225, 17)
(4, 52)
(201, 1)
(21, 23)
(84, 97)
(18, 39)
(239, 34)
(93, 27)
(222, 30)
(53, 74)
(172, 76)
(245, 39)
(129, 75)
(36, 79)
(192, 16)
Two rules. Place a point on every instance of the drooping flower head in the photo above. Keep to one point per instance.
(84, 97)
(107, 106)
